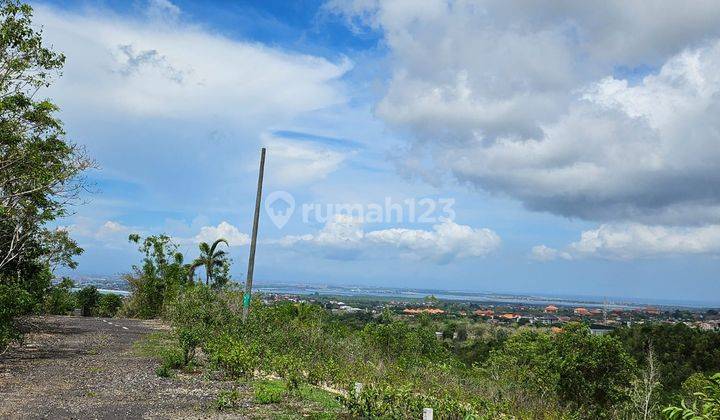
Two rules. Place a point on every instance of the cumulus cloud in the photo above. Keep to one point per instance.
(343, 237)
(110, 234)
(223, 230)
(633, 240)
(526, 101)
(296, 163)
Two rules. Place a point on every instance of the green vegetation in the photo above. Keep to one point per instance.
(706, 404)
(227, 400)
(88, 299)
(680, 350)
(216, 263)
(60, 299)
(522, 372)
(157, 280)
(40, 172)
(109, 305)
(268, 392)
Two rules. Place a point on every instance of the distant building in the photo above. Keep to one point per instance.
(416, 311)
(581, 312)
(510, 317)
(652, 311)
(551, 309)
(600, 329)
(484, 312)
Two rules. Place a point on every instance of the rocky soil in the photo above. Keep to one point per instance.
(74, 367)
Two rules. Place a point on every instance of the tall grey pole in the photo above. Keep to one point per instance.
(253, 243)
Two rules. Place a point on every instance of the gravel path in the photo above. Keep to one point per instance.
(73, 367)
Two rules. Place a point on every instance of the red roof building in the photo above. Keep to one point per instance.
(581, 312)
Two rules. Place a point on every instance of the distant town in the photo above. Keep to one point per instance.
(600, 319)
(500, 309)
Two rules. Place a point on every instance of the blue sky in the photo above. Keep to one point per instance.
(559, 150)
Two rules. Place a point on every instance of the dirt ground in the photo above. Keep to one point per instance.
(74, 367)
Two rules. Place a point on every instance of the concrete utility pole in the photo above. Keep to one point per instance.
(253, 243)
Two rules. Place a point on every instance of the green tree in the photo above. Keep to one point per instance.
(158, 279)
(88, 299)
(212, 258)
(594, 370)
(60, 300)
(109, 305)
(706, 406)
(680, 350)
(40, 171)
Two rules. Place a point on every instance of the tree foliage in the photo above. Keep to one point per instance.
(40, 170)
(157, 280)
(88, 299)
(680, 350)
(215, 261)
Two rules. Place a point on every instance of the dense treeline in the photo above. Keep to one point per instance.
(679, 349)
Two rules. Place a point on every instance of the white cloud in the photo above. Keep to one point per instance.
(110, 234)
(520, 99)
(223, 230)
(292, 163)
(545, 253)
(344, 237)
(162, 67)
(633, 240)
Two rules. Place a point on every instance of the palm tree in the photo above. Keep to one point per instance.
(210, 258)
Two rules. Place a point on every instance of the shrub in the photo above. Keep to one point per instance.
(171, 357)
(236, 358)
(401, 403)
(14, 301)
(227, 399)
(88, 299)
(109, 305)
(290, 368)
(706, 406)
(197, 314)
(60, 299)
(268, 392)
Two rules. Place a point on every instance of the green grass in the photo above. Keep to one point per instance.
(268, 392)
(322, 398)
(305, 402)
(154, 344)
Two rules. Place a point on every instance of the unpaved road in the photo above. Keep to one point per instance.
(73, 367)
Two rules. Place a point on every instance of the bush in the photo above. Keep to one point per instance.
(290, 368)
(197, 314)
(88, 299)
(14, 301)
(706, 406)
(60, 299)
(268, 392)
(401, 403)
(227, 400)
(109, 305)
(171, 357)
(236, 358)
